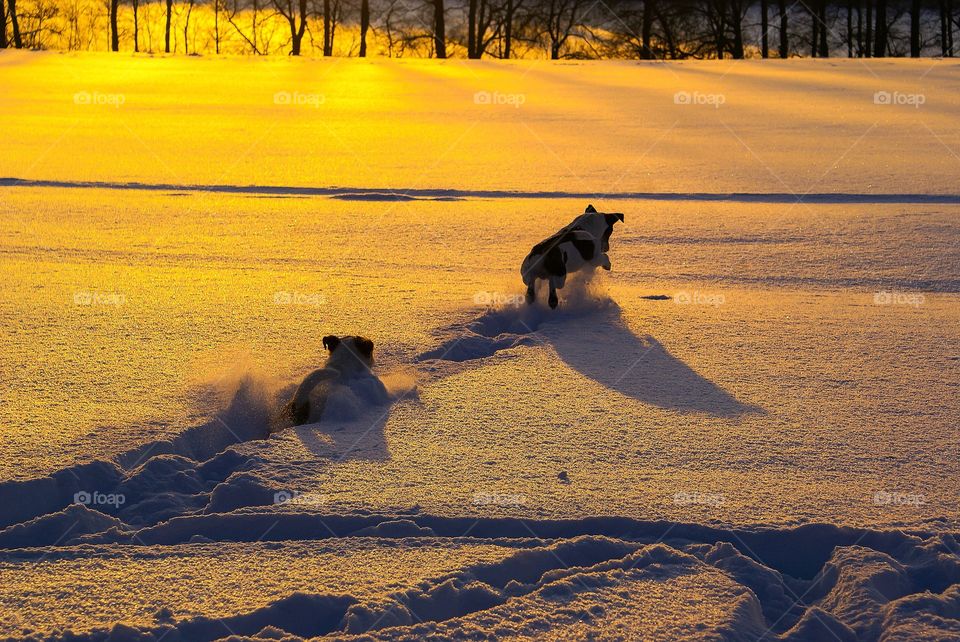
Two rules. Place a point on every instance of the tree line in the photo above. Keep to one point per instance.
(585, 29)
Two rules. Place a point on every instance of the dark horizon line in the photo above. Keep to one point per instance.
(451, 194)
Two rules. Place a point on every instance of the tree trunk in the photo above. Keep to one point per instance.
(294, 44)
(822, 19)
(186, 27)
(439, 30)
(915, 29)
(216, 26)
(472, 29)
(646, 51)
(814, 32)
(869, 39)
(943, 28)
(880, 44)
(721, 8)
(364, 26)
(3, 25)
(859, 30)
(784, 33)
(736, 16)
(253, 28)
(302, 29)
(114, 34)
(849, 28)
(15, 24)
(327, 34)
(136, 25)
(508, 29)
(764, 28)
(166, 33)
(950, 51)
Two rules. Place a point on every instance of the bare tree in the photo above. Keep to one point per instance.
(880, 44)
(136, 25)
(186, 27)
(216, 26)
(483, 26)
(327, 31)
(166, 33)
(508, 17)
(14, 23)
(946, 28)
(439, 30)
(233, 11)
(764, 29)
(114, 33)
(714, 14)
(784, 30)
(949, 8)
(915, 28)
(821, 19)
(559, 18)
(364, 26)
(738, 10)
(295, 13)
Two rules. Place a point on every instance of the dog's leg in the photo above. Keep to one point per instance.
(605, 262)
(300, 413)
(553, 300)
(531, 291)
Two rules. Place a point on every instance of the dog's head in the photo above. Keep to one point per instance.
(605, 221)
(359, 347)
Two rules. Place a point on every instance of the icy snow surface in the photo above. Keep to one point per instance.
(747, 428)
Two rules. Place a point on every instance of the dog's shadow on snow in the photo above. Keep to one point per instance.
(602, 346)
(592, 337)
(337, 440)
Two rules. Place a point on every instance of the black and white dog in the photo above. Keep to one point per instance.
(584, 242)
(350, 361)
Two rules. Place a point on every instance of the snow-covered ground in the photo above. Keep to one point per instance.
(748, 428)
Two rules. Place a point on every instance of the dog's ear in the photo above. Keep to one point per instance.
(613, 218)
(330, 342)
(365, 346)
(590, 210)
